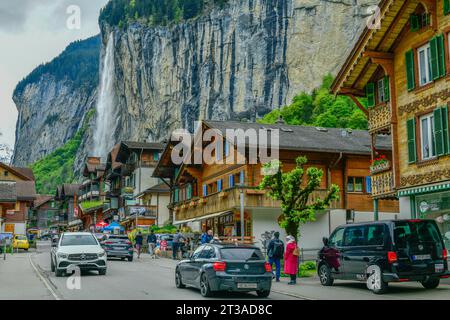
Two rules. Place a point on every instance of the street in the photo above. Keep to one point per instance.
(27, 275)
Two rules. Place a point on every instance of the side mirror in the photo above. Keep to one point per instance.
(325, 241)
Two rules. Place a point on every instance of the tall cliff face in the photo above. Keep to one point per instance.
(235, 62)
(214, 66)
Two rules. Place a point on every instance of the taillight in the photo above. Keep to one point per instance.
(414, 220)
(219, 266)
(444, 254)
(392, 256)
(109, 242)
(268, 267)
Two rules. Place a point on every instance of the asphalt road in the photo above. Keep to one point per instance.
(141, 279)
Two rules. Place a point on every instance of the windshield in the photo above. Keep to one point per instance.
(412, 232)
(241, 254)
(21, 238)
(78, 240)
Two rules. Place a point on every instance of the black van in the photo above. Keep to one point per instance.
(384, 251)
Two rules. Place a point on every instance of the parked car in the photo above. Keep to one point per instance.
(20, 241)
(225, 267)
(384, 251)
(118, 246)
(80, 249)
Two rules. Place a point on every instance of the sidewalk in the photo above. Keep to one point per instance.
(19, 281)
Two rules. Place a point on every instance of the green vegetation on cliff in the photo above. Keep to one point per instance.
(322, 109)
(78, 63)
(153, 12)
(57, 167)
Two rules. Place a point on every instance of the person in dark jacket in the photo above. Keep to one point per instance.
(138, 243)
(275, 251)
(177, 239)
(151, 240)
(207, 237)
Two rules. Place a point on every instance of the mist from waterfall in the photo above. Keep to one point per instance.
(107, 115)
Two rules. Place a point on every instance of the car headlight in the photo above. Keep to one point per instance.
(101, 254)
(62, 255)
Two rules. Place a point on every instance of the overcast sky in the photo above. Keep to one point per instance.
(33, 32)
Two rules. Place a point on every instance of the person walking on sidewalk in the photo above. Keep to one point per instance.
(138, 243)
(151, 240)
(291, 259)
(176, 244)
(275, 251)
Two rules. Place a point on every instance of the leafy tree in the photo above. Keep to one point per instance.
(321, 108)
(297, 205)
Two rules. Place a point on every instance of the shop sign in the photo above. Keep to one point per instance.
(433, 203)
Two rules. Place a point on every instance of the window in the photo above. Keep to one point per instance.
(355, 184)
(380, 87)
(208, 253)
(231, 181)
(197, 252)
(219, 185)
(375, 235)
(155, 156)
(205, 190)
(336, 238)
(355, 236)
(427, 136)
(5, 173)
(424, 58)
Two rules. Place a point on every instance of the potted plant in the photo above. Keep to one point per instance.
(380, 163)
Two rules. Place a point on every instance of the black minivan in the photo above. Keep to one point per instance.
(384, 251)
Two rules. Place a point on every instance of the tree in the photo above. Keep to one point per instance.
(297, 205)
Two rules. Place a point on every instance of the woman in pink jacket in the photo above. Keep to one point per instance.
(290, 259)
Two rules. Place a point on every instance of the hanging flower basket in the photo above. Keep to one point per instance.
(380, 164)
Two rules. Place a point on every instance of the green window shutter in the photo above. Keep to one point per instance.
(434, 58)
(438, 134)
(441, 55)
(411, 132)
(446, 7)
(444, 115)
(414, 22)
(409, 56)
(370, 93)
(386, 89)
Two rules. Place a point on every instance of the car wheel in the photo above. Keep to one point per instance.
(325, 275)
(178, 280)
(102, 272)
(59, 273)
(375, 280)
(431, 283)
(205, 290)
(52, 265)
(130, 259)
(263, 293)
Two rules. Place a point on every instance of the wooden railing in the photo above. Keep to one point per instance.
(382, 183)
(379, 117)
(229, 200)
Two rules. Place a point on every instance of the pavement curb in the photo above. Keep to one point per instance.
(42, 278)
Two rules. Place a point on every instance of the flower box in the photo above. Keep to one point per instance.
(192, 204)
(380, 166)
(202, 201)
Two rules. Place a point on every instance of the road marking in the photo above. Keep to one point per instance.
(293, 295)
(43, 279)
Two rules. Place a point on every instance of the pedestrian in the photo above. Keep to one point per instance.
(207, 236)
(176, 243)
(275, 251)
(291, 259)
(138, 243)
(151, 240)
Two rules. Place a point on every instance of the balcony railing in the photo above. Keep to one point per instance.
(229, 200)
(379, 117)
(383, 183)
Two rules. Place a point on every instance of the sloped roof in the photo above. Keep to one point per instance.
(25, 171)
(127, 146)
(26, 190)
(8, 191)
(308, 138)
(42, 199)
(159, 188)
(70, 189)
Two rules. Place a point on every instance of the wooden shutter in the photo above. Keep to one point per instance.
(446, 7)
(414, 22)
(444, 113)
(231, 181)
(205, 190)
(227, 148)
(409, 56)
(438, 134)
(411, 134)
(386, 89)
(219, 185)
(434, 58)
(241, 177)
(368, 185)
(441, 55)
(370, 93)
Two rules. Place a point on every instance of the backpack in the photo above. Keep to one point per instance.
(278, 248)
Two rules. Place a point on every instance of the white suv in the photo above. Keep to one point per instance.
(79, 249)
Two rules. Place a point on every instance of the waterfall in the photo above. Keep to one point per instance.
(107, 113)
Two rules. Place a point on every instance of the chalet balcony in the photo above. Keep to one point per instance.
(379, 117)
(229, 200)
(383, 184)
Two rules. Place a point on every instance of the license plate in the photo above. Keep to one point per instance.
(247, 285)
(421, 257)
(439, 267)
(118, 248)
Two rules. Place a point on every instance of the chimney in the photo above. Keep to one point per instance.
(93, 160)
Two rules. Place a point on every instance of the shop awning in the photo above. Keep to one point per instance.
(424, 189)
(203, 217)
(75, 222)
